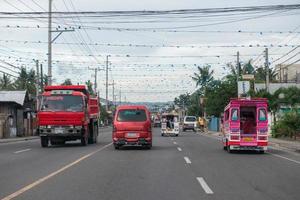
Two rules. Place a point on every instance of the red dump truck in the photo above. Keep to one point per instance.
(66, 113)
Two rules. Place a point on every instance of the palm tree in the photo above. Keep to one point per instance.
(203, 77)
(26, 81)
(260, 74)
(67, 82)
(6, 83)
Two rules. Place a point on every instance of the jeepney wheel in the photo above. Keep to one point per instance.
(225, 148)
(261, 151)
(162, 134)
(44, 141)
(228, 149)
(176, 135)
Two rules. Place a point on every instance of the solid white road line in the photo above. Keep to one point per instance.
(187, 160)
(41, 180)
(279, 156)
(179, 149)
(204, 185)
(22, 150)
(174, 142)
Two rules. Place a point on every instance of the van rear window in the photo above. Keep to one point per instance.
(131, 115)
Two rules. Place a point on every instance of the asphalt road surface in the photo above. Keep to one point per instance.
(189, 167)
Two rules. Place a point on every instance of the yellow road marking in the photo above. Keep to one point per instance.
(41, 180)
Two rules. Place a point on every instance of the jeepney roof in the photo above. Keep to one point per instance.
(247, 102)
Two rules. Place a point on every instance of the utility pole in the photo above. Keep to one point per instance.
(96, 69)
(106, 85)
(237, 70)
(50, 43)
(37, 83)
(267, 71)
(42, 78)
(120, 97)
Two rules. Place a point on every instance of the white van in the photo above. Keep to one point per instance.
(190, 123)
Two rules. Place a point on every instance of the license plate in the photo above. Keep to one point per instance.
(58, 130)
(248, 139)
(131, 135)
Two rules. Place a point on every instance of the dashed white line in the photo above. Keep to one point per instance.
(204, 185)
(187, 160)
(295, 161)
(174, 142)
(179, 149)
(21, 151)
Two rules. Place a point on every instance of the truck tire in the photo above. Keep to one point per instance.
(44, 141)
(84, 140)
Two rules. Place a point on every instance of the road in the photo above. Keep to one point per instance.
(191, 166)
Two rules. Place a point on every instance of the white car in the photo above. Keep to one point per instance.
(190, 123)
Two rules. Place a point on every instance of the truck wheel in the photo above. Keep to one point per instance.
(84, 140)
(44, 141)
(91, 139)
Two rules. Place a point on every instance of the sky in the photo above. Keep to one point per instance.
(140, 73)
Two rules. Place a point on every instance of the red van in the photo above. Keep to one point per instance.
(132, 126)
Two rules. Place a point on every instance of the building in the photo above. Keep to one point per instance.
(288, 73)
(16, 114)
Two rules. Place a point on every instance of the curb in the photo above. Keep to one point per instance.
(11, 140)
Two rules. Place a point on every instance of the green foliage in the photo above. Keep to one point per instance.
(103, 114)
(6, 83)
(288, 125)
(218, 96)
(183, 100)
(89, 85)
(260, 74)
(203, 77)
(26, 81)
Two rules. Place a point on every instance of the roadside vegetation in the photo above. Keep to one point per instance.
(217, 94)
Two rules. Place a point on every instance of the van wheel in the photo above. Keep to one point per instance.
(117, 146)
(44, 141)
(228, 149)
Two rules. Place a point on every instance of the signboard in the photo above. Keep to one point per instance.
(243, 87)
(248, 76)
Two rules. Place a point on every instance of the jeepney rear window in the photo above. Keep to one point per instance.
(262, 115)
(234, 114)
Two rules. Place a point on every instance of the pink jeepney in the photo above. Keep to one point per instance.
(245, 125)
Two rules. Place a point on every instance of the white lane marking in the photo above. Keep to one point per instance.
(187, 160)
(22, 150)
(41, 180)
(174, 142)
(204, 185)
(279, 156)
(179, 149)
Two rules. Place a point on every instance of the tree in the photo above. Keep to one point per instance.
(260, 74)
(26, 81)
(219, 94)
(203, 78)
(67, 82)
(89, 85)
(6, 83)
(183, 100)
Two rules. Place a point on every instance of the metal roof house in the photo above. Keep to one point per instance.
(14, 106)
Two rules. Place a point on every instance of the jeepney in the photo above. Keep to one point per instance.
(245, 125)
(169, 124)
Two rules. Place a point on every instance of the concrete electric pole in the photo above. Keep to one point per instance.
(237, 70)
(50, 43)
(267, 71)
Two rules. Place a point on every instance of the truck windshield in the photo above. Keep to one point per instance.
(64, 103)
(132, 116)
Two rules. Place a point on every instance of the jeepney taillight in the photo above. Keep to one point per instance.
(263, 131)
(262, 137)
(234, 137)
